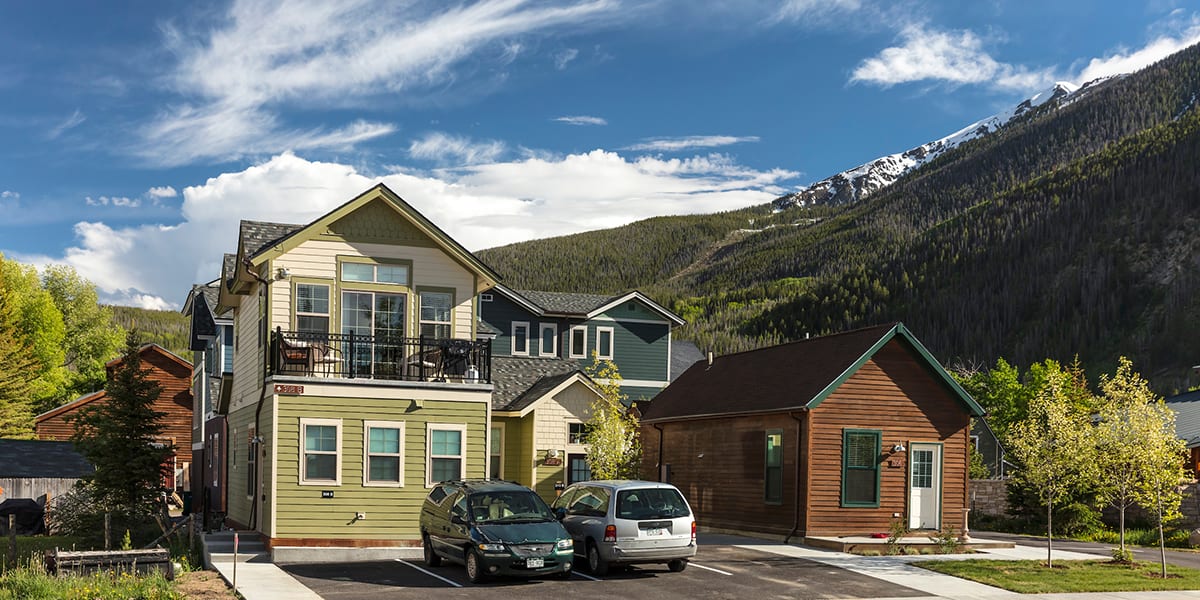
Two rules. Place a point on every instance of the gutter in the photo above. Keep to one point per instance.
(799, 456)
(661, 436)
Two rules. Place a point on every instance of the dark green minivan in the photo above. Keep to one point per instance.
(494, 528)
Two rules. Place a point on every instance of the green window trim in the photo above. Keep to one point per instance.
(773, 466)
(854, 458)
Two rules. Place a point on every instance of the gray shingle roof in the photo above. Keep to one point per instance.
(41, 458)
(563, 302)
(256, 235)
(683, 355)
(485, 328)
(1187, 417)
(228, 263)
(518, 381)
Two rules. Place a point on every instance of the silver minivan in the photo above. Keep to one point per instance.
(628, 522)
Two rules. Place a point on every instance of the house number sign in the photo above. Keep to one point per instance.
(288, 389)
(895, 462)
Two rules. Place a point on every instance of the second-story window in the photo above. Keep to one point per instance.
(312, 308)
(604, 343)
(548, 339)
(520, 338)
(579, 341)
(373, 273)
(436, 309)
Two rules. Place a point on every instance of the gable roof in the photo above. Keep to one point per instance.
(155, 348)
(587, 306)
(684, 354)
(70, 406)
(514, 377)
(1187, 417)
(200, 306)
(42, 459)
(794, 376)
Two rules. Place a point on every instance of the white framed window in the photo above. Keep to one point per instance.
(320, 451)
(496, 452)
(312, 308)
(547, 339)
(445, 452)
(251, 463)
(375, 273)
(485, 297)
(435, 314)
(576, 433)
(520, 338)
(604, 343)
(578, 341)
(383, 453)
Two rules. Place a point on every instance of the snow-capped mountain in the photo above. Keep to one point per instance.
(863, 180)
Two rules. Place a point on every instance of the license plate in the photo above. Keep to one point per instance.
(656, 532)
(535, 563)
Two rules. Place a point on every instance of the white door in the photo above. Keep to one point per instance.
(925, 486)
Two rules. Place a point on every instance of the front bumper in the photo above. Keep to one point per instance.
(507, 563)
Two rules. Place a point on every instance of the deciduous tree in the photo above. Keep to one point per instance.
(614, 450)
(92, 338)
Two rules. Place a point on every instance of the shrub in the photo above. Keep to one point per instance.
(1123, 556)
(947, 540)
(897, 530)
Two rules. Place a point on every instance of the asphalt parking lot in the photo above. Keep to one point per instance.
(718, 571)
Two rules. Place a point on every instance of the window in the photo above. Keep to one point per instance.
(320, 456)
(312, 308)
(445, 452)
(975, 442)
(251, 463)
(604, 343)
(520, 338)
(860, 467)
(773, 478)
(485, 297)
(379, 318)
(548, 338)
(576, 433)
(373, 273)
(579, 341)
(496, 453)
(577, 468)
(590, 501)
(436, 308)
(384, 453)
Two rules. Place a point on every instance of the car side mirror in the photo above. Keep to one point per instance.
(560, 513)
(457, 520)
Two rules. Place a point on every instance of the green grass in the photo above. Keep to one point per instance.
(1032, 577)
(29, 546)
(32, 583)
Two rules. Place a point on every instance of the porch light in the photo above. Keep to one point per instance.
(898, 447)
(282, 273)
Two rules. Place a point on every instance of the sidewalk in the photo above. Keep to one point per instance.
(257, 577)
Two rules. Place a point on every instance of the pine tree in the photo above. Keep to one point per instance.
(17, 372)
(122, 436)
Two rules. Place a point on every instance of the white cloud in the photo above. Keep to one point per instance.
(70, 122)
(690, 142)
(317, 54)
(582, 120)
(481, 206)
(1128, 61)
(165, 191)
(449, 149)
(9, 195)
(565, 57)
(120, 201)
(954, 57)
(809, 10)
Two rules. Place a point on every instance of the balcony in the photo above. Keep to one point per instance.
(381, 358)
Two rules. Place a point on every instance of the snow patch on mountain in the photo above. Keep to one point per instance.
(862, 181)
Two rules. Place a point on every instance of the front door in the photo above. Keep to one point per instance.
(379, 319)
(577, 468)
(925, 486)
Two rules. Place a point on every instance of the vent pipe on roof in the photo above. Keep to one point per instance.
(710, 358)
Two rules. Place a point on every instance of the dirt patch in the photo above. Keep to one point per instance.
(203, 585)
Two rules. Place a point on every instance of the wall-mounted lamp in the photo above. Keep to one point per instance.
(898, 447)
(282, 273)
(552, 453)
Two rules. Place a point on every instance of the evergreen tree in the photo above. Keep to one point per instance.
(17, 372)
(122, 436)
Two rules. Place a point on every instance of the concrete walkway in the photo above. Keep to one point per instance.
(256, 577)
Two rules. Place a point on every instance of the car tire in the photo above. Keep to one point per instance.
(432, 558)
(596, 563)
(563, 574)
(677, 565)
(475, 569)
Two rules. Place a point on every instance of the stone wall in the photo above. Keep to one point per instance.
(988, 496)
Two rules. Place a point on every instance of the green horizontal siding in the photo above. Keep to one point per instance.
(640, 394)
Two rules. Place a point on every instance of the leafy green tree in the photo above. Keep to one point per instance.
(614, 449)
(92, 338)
(122, 436)
(1053, 448)
(17, 371)
(1159, 489)
(40, 322)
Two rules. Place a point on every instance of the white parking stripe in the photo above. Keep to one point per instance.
(588, 576)
(427, 572)
(699, 566)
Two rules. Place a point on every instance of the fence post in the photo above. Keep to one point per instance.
(108, 531)
(12, 541)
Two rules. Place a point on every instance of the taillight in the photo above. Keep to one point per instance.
(693, 530)
(610, 533)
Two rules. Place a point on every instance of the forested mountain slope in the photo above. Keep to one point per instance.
(1073, 230)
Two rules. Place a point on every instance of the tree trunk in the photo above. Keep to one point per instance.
(1162, 545)
(1122, 528)
(1049, 534)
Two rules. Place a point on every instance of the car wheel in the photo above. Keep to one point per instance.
(596, 563)
(474, 567)
(563, 574)
(677, 565)
(431, 558)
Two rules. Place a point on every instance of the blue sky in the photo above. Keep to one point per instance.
(135, 139)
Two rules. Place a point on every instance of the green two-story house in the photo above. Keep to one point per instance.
(359, 377)
(630, 329)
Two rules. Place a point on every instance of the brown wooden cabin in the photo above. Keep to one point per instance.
(836, 435)
(171, 372)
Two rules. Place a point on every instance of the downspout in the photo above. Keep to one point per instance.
(661, 435)
(799, 457)
(262, 395)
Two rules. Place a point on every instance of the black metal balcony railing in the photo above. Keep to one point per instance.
(351, 356)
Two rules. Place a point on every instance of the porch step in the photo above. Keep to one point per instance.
(218, 547)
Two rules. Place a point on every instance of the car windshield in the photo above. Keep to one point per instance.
(508, 506)
(651, 503)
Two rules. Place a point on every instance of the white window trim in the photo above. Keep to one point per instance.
(449, 322)
(513, 349)
(429, 429)
(366, 467)
(251, 459)
(571, 350)
(304, 422)
(570, 444)
(328, 305)
(500, 428)
(612, 342)
(542, 327)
